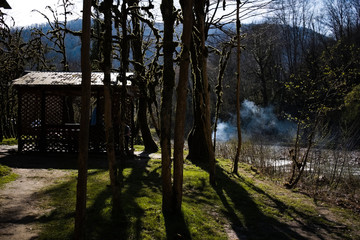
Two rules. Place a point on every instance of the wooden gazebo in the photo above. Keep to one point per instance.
(48, 110)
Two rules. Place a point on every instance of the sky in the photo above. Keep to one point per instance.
(22, 11)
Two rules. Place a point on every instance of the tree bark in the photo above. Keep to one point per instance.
(224, 58)
(79, 231)
(166, 103)
(109, 130)
(238, 76)
(186, 6)
(149, 143)
(200, 144)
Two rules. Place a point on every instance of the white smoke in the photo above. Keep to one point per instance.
(225, 132)
(257, 123)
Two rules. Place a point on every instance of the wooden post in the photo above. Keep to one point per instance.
(42, 140)
(19, 122)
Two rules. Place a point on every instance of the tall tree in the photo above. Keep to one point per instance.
(121, 24)
(81, 190)
(224, 58)
(106, 6)
(238, 84)
(58, 32)
(168, 79)
(139, 66)
(199, 139)
(13, 58)
(95, 53)
(186, 6)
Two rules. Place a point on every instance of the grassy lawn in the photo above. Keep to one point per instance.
(6, 175)
(252, 206)
(9, 141)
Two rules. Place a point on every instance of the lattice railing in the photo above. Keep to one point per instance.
(42, 126)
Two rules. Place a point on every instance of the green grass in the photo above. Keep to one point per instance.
(139, 148)
(6, 175)
(9, 141)
(256, 208)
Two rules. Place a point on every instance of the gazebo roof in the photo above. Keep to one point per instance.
(4, 4)
(65, 79)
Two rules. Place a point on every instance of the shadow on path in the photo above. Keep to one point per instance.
(51, 160)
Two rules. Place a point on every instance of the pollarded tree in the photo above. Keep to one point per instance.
(140, 73)
(13, 55)
(199, 139)
(58, 22)
(95, 52)
(224, 54)
(58, 32)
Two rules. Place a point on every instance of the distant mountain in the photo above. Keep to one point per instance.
(73, 43)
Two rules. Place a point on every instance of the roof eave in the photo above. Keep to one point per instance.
(4, 4)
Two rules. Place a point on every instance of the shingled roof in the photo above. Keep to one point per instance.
(4, 4)
(65, 79)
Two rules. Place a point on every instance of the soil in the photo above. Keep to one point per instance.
(20, 206)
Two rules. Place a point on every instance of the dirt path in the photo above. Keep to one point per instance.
(20, 208)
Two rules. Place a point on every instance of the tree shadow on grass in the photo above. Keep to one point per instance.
(244, 214)
(132, 186)
(248, 219)
(127, 223)
(308, 222)
(143, 178)
(101, 224)
(176, 227)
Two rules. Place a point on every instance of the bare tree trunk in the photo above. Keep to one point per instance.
(186, 6)
(200, 144)
(109, 130)
(138, 55)
(166, 103)
(238, 119)
(224, 57)
(79, 231)
(294, 155)
(149, 143)
(124, 66)
(304, 159)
